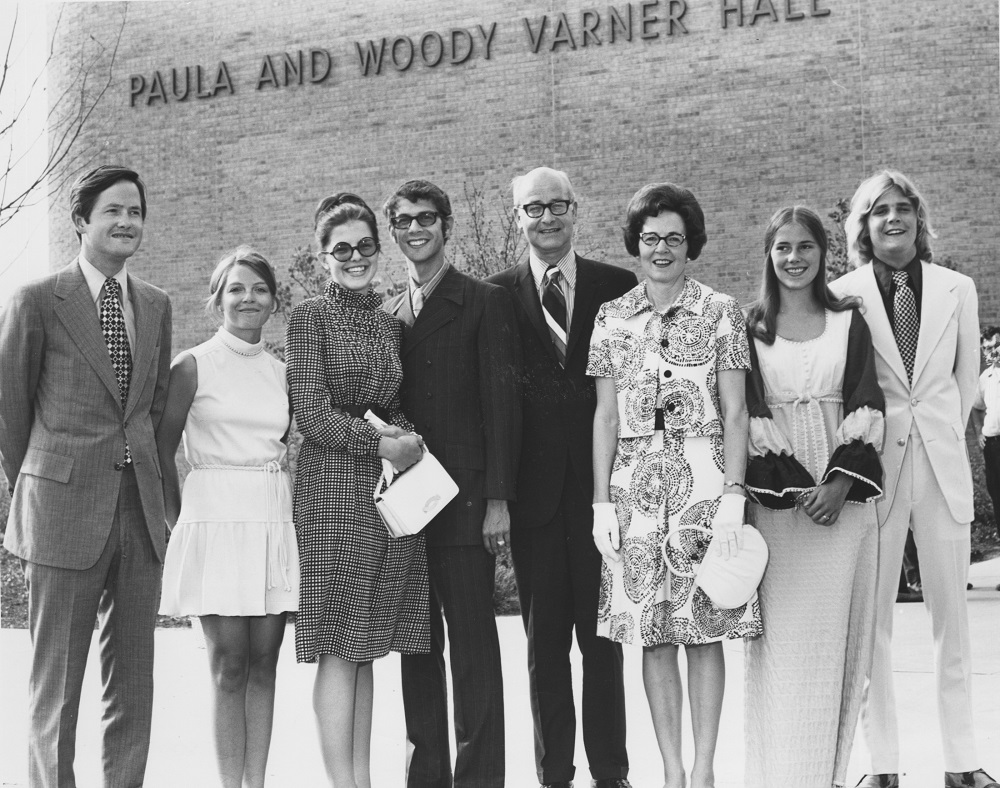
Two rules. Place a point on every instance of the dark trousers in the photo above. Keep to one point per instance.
(461, 593)
(122, 591)
(991, 458)
(558, 571)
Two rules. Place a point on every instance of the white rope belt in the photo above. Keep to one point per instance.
(277, 547)
(815, 437)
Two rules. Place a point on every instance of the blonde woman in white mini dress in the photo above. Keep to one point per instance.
(232, 558)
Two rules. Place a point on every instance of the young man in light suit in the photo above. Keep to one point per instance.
(925, 329)
(461, 388)
(85, 354)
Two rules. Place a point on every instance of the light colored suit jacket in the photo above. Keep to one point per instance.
(945, 374)
(62, 428)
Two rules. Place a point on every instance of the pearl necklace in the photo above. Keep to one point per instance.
(248, 350)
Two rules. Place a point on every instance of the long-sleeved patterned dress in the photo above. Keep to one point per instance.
(362, 592)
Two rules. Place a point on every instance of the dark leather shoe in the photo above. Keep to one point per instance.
(613, 782)
(879, 781)
(563, 784)
(976, 779)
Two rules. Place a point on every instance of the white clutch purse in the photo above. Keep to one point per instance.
(408, 501)
(729, 583)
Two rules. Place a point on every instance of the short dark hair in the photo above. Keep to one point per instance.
(338, 209)
(241, 255)
(418, 190)
(989, 332)
(89, 186)
(655, 198)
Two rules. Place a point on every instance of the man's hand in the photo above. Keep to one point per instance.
(496, 526)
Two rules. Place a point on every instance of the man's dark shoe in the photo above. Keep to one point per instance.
(562, 784)
(613, 782)
(879, 781)
(975, 779)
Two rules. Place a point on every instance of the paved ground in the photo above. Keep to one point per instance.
(181, 753)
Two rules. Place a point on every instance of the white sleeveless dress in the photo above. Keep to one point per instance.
(233, 551)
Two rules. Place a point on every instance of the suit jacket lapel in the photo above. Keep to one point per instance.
(147, 331)
(78, 313)
(937, 303)
(524, 287)
(586, 292)
(878, 322)
(443, 306)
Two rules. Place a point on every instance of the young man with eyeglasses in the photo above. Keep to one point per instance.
(461, 389)
(556, 297)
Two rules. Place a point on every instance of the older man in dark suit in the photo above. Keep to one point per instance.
(85, 354)
(461, 388)
(558, 568)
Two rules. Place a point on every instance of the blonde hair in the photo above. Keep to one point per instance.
(859, 242)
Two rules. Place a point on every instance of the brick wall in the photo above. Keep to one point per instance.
(750, 117)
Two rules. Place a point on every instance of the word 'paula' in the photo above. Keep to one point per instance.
(458, 44)
(181, 85)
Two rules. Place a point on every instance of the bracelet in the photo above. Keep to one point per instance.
(730, 483)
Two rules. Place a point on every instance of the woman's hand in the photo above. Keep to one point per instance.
(607, 533)
(823, 504)
(728, 524)
(403, 451)
(391, 431)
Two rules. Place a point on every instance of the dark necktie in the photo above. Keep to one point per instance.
(554, 308)
(905, 323)
(116, 337)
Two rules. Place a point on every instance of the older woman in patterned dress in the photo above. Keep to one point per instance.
(362, 593)
(670, 358)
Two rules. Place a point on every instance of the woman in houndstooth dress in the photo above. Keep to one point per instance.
(362, 592)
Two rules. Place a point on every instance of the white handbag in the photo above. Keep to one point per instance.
(729, 583)
(409, 500)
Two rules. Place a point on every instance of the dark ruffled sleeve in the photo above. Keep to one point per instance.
(774, 477)
(861, 434)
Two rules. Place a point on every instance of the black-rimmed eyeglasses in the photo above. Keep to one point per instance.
(534, 210)
(403, 221)
(671, 239)
(344, 251)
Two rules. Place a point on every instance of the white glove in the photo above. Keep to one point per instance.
(728, 524)
(607, 534)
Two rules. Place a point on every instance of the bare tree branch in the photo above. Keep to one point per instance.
(67, 117)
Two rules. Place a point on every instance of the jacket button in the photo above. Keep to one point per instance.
(914, 401)
(667, 373)
(901, 442)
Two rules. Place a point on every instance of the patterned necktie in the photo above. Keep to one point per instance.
(417, 301)
(554, 308)
(116, 337)
(905, 324)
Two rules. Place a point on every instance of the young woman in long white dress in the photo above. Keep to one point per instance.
(232, 557)
(816, 423)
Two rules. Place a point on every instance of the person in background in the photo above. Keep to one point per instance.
(362, 592)
(925, 328)
(816, 427)
(986, 415)
(84, 362)
(556, 295)
(461, 388)
(232, 558)
(670, 432)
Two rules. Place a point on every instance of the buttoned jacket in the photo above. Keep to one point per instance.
(62, 426)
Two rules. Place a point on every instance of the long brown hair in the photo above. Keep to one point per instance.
(762, 314)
